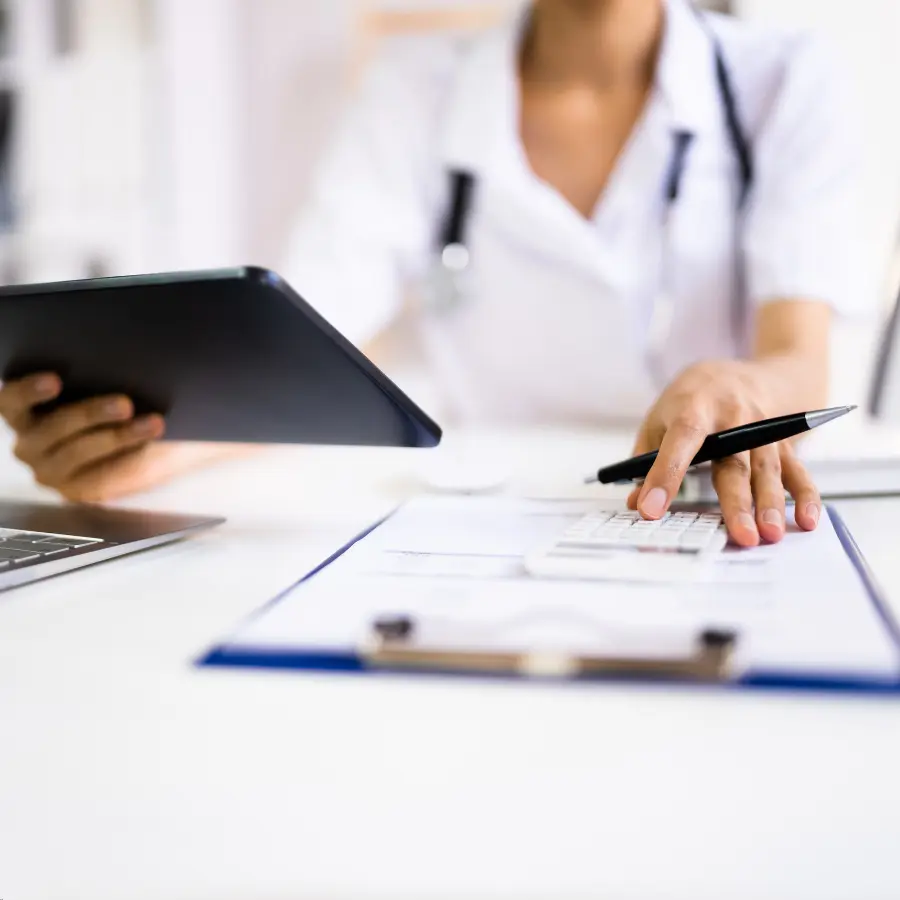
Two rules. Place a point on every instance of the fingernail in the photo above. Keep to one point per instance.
(773, 517)
(812, 510)
(654, 504)
(146, 427)
(118, 409)
(747, 521)
(46, 385)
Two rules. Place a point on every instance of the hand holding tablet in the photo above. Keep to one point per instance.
(96, 372)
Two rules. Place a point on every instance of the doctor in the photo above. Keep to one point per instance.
(605, 209)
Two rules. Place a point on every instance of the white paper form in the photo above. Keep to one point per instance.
(455, 563)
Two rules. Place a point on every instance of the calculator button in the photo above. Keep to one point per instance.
(598, 520)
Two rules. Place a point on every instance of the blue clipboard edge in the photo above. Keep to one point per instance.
(224, 656)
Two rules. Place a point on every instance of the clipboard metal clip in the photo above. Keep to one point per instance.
(393, 646)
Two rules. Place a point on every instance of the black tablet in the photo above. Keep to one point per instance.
(225, 355)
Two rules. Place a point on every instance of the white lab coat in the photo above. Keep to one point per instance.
(554, 324)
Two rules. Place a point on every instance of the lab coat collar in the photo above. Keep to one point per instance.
(484, 102)
(484, 99)
(685, 77)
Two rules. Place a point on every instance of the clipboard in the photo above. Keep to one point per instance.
(395, 647)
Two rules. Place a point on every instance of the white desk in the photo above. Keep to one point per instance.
(126, 773)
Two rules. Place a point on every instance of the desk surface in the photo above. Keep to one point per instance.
(127, 773)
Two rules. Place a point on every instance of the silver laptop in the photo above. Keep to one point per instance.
(40, 540)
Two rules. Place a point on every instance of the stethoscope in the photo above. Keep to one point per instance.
(447, 290)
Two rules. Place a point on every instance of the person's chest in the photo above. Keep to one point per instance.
(556, 306)
(572, 137)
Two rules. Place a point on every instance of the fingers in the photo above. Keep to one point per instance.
(60, 426)
(112, 477)
(90, 448)
(807, 502)
(758, 481)
(149, 465)
(86, 451)
(768, 492)
(18, 398)
(679, 446)
(731, 479)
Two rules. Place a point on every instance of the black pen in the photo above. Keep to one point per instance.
(726, 443)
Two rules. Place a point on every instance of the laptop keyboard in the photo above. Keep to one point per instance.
(17, 547)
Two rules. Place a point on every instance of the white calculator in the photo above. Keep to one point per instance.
(619, 544)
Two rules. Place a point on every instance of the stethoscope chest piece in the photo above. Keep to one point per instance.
(448, 284)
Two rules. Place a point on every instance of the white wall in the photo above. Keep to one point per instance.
(294, 91)
(199, 90)
(83, 160)
(246, 94)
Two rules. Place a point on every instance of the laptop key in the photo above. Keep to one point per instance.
(73, 543)
(17, 556)
(13, 544)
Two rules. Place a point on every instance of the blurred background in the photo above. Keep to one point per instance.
(147, 135)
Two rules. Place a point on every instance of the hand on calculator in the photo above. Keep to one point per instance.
(751, 486)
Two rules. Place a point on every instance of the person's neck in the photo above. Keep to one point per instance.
(602, 43)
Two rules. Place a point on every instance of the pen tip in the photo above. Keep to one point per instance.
(815, 419)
